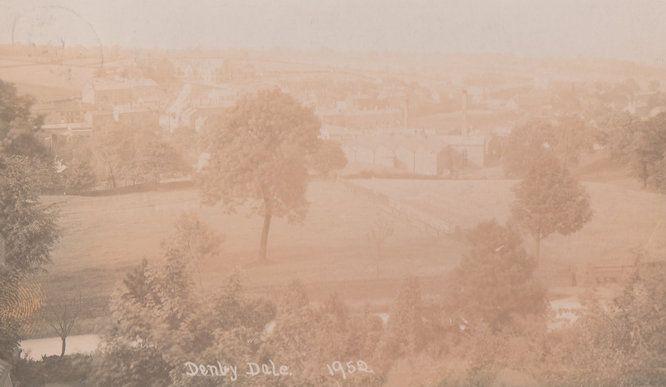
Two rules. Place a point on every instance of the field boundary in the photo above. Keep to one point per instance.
(437, 227)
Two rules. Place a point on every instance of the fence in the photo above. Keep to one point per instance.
(428, 223)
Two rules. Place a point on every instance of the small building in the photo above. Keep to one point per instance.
(60, 111)
(609, 273)
(408, 150)
(108, 92)
(99, 119)
(200, 69)
(194, 104)
(380, 118)
(472, 148)
(384, 155)
(71, 129)
(136, 117)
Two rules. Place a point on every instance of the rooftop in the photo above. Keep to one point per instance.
(121, 83)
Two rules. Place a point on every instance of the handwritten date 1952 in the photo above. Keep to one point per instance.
(346, 369)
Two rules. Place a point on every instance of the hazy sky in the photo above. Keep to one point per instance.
(626, 29)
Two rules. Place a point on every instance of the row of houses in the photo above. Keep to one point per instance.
(194, 104)
(408, 150)
(370, 134)
(105, 93)
(133, 102)
(103, 100)
(140, 102)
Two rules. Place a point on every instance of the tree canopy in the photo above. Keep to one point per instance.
(550, 200)
(494, 281)
(28, 232)
(259, 157)
(28, 229)
(128, 155)
(18, 126)
(565, 138)
(621, 343)
(329, 157)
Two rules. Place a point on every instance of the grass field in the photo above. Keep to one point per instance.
(103, 237)
(624, 219)
(45, 81)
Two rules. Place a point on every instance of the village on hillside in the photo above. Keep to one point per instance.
(321, 216)
(436, 122)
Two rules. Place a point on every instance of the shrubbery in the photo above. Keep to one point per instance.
(489, 327)
(53, 369)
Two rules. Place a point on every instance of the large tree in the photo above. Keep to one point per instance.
(28, 232)
(566, 138)
(160, 321)
(259, 156)
(20, 136)
(61, 317)
(306, 336)
(618, 131)
(126, 155)
(18, 126)
(620, 342)
(550, 200)
(494, 281)
(648, 148)
(75, 161)
(27, 228)
(641, 145)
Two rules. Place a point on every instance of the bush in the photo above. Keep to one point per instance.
(78, 177)
(52, 369)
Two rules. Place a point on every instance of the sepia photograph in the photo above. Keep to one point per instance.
(399, 193)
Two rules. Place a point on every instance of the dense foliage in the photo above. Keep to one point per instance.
(641, 145)
(160, 323)
(328, 158)
(549, 200)
(18, 126)
(489, 327)
(28, 229)
(260, 152)
(565, 138)
(68, 369)
(127, 155)
(494, 281)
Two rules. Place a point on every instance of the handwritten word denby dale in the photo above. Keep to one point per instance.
(231, 371)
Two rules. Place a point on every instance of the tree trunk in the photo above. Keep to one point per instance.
(414, 163)
(64, 344)
(112, 176)
(263, 248)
